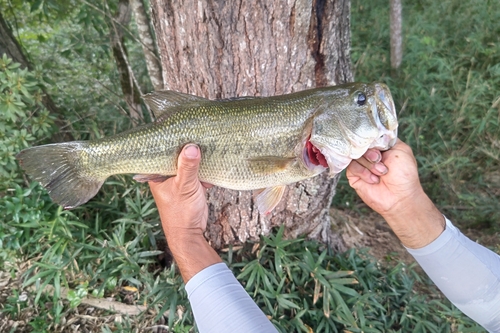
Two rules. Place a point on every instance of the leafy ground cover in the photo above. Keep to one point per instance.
(447, 91)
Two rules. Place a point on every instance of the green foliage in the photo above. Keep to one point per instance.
(302, 286)
(447, 91)
(22, 117)
(23, 120)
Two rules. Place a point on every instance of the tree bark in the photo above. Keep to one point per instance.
(130, 88)
(396, 34)
(148, 44)
(220, 49)
(9, 45)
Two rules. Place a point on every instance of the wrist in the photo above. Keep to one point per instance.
(191, 252)
(182, 243)
(416, 222)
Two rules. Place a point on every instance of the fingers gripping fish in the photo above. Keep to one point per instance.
(249, 143)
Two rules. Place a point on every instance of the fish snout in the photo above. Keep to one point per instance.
(384, 113)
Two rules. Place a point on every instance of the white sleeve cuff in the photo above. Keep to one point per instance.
(221, 304)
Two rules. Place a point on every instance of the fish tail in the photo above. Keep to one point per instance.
(60, 169)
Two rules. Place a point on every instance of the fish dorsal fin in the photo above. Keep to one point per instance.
(270, 164)
(164, 103)
(269, 198)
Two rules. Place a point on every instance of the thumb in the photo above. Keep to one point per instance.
(188, 164)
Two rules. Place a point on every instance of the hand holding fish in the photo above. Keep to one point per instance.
(398, 196)
(183, 210)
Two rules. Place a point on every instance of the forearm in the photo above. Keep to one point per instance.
(467, 273)
(416, 221)
(219, 302)
(192, 253)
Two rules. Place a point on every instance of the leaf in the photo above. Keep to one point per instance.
(149, 253)
(36, 5)
(285, 303)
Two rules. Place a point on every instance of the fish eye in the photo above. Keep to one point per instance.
(361, 100)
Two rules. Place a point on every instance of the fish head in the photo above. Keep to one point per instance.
(353, 118)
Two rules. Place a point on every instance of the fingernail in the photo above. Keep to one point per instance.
(191, 151)
(373, 156)
(380, 167)
(374, 179)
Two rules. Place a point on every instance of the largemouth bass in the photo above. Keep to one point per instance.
(248, 143)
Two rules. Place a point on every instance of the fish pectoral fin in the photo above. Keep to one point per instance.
(164, 103)
(143, 178)
(269, 198)
(270, 164)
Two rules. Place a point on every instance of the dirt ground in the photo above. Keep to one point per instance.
(370, 230)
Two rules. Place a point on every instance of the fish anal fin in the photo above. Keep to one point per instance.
(155, 178)
(267, 199)
(165, 103)
(270, 164)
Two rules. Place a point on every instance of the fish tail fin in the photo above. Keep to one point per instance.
(59, 168)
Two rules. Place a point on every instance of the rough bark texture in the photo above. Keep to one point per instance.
(129, 86)
(148, 45)
(396, 34)
(9, 45)
(221, 49)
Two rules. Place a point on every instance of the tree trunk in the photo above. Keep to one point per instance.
(9, 45)
(396, 34)
(130, 88)
(148, 44)
(221, 49)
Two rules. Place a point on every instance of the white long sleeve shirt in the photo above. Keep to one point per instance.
(467, 273)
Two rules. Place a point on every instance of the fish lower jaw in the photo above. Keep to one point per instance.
(385, 142)
(336, 162)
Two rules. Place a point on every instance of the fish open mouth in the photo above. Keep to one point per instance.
(319, 159)
(313, 155)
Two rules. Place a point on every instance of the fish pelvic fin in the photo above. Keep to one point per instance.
(267, 199)
(144, 178)
(58, 168)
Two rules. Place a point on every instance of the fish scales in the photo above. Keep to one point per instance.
(226, 143)
(246, 143)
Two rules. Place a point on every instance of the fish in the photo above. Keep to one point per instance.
(246, 143)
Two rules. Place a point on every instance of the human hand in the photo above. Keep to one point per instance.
(387, 182)
(181, 200)
(390, 186)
